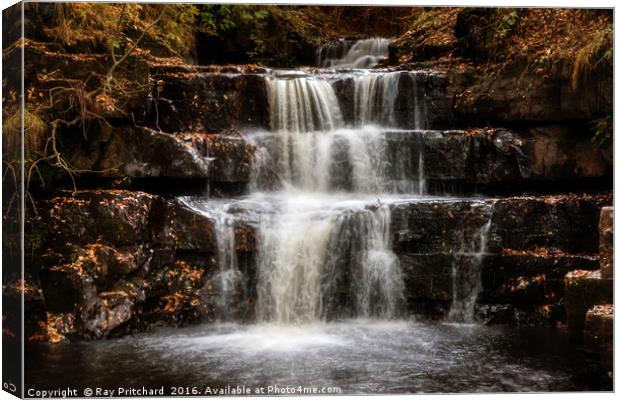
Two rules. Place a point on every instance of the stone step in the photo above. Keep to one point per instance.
(599, 333)
(584, 289)
(119, 254)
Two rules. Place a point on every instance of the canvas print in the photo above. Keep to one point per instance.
(233, 199)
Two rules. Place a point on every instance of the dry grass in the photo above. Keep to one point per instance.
(115, 26)
(539, 38)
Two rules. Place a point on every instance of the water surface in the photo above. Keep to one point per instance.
(356, 356)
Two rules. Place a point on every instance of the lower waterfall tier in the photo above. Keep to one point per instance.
(125, 261)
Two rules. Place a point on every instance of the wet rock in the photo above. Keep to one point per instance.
(519, 314)
(427, 276)
(599, 333)
(584, 289)
(109, 313)
(606, 242)
(498, 158)
(565, 222)
(184, 293)
(97, 293)
(422, 100)
(438, 226)
(134, 152)
(529, 277)
(531, 244)
(187, 230)
(208, 101)
(245, 238)
(118, 217)
(230, 155)
(104, 263)
(512, 96)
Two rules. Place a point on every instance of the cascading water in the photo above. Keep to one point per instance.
(366, 53)
(320, 262)
(375, 98)
(302, 104)
(228, 279)
(339, 171)
(466, 273)
(324, 249)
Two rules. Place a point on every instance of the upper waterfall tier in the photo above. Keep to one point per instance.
(307, 99)
(365, 53)
(306, 103)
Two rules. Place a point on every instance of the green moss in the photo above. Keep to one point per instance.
(602, 131)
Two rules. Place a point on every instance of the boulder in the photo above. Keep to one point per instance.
(584, 289)
(182, 295)
(117, 217)
(599, 333)
(186, 230)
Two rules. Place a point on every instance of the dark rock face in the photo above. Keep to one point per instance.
(606, 242)
(599, 333)
(206, 101)
(531, 244)
(516, 97)
(143, 153)
(230, 155)
(133, 152)
(118, 217)
(499, 158)
(113, 262)
(584, 289)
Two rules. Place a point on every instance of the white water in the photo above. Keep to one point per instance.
(375, 98)
(311, 250)
(466, 274)
(366, 53)
(302, 104)
(228, 278)
(324, 249)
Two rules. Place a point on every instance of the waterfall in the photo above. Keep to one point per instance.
(228, 280)
(310, 255)
(309, 149)
(375, 98)
(368, 159)
(330, 51)
(228, 277)
(302, 104)
(380, 291)
(364, 53)
(324, 246)
(466, 274)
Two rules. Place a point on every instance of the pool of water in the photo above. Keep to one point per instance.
(355, 356)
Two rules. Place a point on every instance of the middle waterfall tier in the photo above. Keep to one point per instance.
(363, 160)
